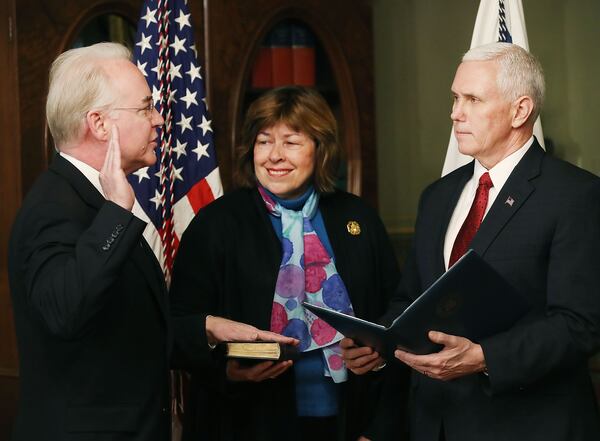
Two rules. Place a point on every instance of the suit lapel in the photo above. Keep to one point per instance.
(338, 238)
(269, 262)
(78, 181)
(511, 198)
(343, 244)
(144, 259)
(142, 255)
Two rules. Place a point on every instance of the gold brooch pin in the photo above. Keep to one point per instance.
(353, 228)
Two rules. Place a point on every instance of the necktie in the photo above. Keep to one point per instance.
(473, 220)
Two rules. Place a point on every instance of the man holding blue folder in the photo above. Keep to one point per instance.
(535, 220)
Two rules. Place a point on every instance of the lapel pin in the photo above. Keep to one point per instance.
(353, 228)
(510, 201)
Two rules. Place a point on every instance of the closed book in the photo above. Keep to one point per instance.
(303, 55)
(262, 75)
(259, 350)
(469, 300)
(280, 40)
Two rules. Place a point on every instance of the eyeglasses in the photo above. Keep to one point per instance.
(145, 111)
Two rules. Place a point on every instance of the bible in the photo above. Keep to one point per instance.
(469, 300)
(259, 350)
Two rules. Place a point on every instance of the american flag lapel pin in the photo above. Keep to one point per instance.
(509, 201)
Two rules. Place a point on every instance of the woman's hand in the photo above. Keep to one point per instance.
(256, 373)
(360, 360)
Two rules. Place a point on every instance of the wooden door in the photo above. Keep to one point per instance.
(45, 29)
(10, 189)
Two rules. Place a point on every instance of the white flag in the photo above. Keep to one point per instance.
(487, 30)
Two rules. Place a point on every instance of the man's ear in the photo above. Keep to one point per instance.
(96, 124)
(522, 110)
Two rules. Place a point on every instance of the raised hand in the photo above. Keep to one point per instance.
(113, 181)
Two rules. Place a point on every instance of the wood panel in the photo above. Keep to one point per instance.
(36, 33)
(10, 195)
(234, 29)
(45, 30)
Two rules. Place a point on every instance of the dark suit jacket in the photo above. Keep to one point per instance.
(90, 312)
(227, 265)
(547, 245)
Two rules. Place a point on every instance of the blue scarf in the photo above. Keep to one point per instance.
(307, 273)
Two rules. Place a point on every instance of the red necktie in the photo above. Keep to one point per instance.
(473, 220)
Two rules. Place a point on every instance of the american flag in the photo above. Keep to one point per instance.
(185, 177)
(503, 30)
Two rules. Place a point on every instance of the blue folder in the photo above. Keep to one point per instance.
(470, 300)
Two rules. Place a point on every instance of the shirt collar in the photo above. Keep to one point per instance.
(500, 172)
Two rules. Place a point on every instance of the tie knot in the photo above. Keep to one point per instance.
(485, 180)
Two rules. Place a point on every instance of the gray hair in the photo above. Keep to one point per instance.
(519, 72)
(78, 83)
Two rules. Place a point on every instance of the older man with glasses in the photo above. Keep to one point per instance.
(89, 298)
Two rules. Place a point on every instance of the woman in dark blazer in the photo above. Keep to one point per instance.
(255, 254)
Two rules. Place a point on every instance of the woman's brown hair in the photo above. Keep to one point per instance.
(302, 109)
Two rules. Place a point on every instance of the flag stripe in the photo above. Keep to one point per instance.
(185, 177)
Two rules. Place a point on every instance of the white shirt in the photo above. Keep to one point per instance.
(499, 175)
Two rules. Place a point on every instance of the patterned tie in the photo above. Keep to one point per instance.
(473, 220)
